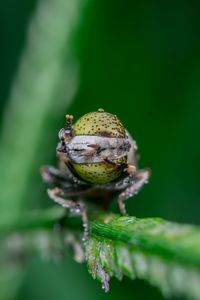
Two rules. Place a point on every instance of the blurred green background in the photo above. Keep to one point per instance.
(140, 61)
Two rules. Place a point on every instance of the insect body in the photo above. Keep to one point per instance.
(97, 147)
(90, 157)
(97, 157)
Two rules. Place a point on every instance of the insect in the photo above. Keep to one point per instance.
(97, 161)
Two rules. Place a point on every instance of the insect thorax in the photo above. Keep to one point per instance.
(82, 149)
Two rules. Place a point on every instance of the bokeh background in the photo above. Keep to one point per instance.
(140, 61)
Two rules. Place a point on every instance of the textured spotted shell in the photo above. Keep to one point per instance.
(99, 123)
(99, 172)
(102, 124)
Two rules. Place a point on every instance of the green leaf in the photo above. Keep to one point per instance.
(165, 254)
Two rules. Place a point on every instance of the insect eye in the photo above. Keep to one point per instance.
(61, 134)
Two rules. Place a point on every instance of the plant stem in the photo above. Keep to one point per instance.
(43, 88)
(164, 253)
(176, 242)
(173, 241)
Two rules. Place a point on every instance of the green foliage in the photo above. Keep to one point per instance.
(47, 74)
(44, 84)
(165, 254)
(140, 61)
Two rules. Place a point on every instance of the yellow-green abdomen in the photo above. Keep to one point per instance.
(99, 123)
(99, 172)
(106, 125)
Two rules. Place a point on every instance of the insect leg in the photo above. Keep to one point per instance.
(140, 178)
(53, 175)
(128, 168)
(56, 176)
(57, 195)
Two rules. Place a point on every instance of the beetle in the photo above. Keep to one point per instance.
(97, 160)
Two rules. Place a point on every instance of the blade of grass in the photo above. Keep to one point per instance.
(44, 86)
